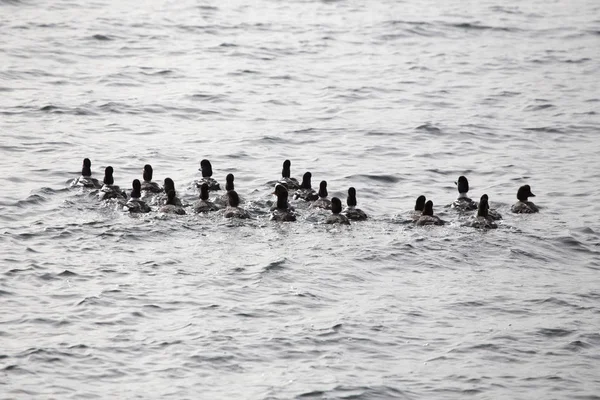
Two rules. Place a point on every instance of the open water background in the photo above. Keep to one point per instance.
(396, 98)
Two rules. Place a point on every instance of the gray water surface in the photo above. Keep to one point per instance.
(394, 98)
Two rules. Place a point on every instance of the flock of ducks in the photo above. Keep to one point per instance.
(145, 193)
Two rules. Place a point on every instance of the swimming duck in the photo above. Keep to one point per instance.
(306, 192)
(204, 204)
(523, 206)
(351, 211)
(234, 210)
(163, 199)
(482, 220)
(279, 189)
(171, 207)
(419, 207)
(336, 217)
(427, 217)
(223, 200)
(463, 202)
(323, 201)
(206, 168)
(86, 180)
(289, 183)
(148, 185)
(282, 211)
(135, 204)
(109, 189)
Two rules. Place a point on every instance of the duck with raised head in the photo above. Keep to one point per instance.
(135, 204)
(234, 210)
(286, 179)
(204, 204)
(323, 200)
(482, 220)
(223, 200)
(419, 207)
(463, 202)
(148, 185)
(523, 206)
(427, 217)
(351, 211)
(281, 210)
(109, 189)
(306, 191)
(171, 206)
(207, 172)
(86, 180)
(336, 216)
(169, 185)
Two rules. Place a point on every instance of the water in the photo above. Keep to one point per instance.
(395, 98)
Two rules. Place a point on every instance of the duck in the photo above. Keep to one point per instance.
(206, 168)
(204, 204)
(135, 204)
(279, 188)
(223, 200)
(463, 202)
(148, 185)
(286, 180)
(281, 210)
(427, 217)
(306, 191)
(234, 210)
(482, 220)
(336, 217)
(86, 180)
(171, 206)
(169, 185)
(323, 201)
(351, 211)
(419, 207)
(523, 206)
(109, 190)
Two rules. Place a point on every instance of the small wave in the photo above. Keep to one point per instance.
(66, 272)
(554, 332)
(103, 38)
(377, 178)
(546, 129)
(275, 266)
(427, 127)
(478, 27)
(539, 107)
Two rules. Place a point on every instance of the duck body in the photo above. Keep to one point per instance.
(281, 210)
(86, 180)
(483, 220)
(288, 182)
(524, 206)
(206, 169)
(108, 192)
(234, 210)
(463, 202)
(202, 206)
(427, 217)
(351, 212)
(135, 204)
(306, 192)
(336, 216)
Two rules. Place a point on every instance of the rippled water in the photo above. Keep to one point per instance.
(395, 98)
